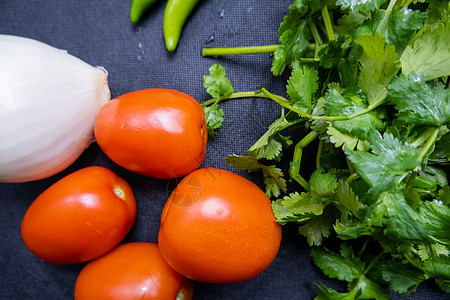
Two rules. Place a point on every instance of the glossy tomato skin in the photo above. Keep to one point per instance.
(218, 227)
(80, 217)
(131, 271)
(159, 133)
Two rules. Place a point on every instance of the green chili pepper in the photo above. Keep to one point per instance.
(138, 7)
(175, 15)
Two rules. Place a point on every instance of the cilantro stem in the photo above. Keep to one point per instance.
(317, 39)
(382, 25)
(248, 94)
(352, 177)
(298, 111)
(373, 262)
(327, 22)
(284, 104)
(239, 50)
(294, 168)
(319, 154)
(430, 142)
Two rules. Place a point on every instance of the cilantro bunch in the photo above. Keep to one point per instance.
(369, 80)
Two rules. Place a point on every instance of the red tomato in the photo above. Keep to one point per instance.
(218, 227)
(131, 271)
(159, 133)
(80, 217)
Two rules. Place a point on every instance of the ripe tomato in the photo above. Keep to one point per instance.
(80, 217)
(159, 133)
(218, 227)
(131, 271)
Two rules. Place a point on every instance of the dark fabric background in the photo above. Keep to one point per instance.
(100, 33)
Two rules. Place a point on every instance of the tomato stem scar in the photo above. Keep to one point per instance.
(119, 192)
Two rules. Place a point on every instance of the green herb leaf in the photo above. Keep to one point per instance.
(273, 176)
(419, 102)
(302, 86)
(378, 65)
(399, 220)
(350, 131)
(294, 35)
(271, 144)
(319, 227)
(213, 117)
(438, 267)
(344, 266)
(296, 208)
(437, 218)
(326, 293)
(397, 26)
(360, 5)
(401, 277)
(216, 84)
(430, 54)
(389, 161)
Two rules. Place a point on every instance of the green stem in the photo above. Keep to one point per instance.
(317, 39)
(352, 177)
(422, 138)
(382, 25)
(373, 262)
(239, 50)
(294, 169)
(249, 94)
(263, 93)
(412, 262)
(430, 142)
(319, 154)
(364, 246)
(299, 112)
(327, 22)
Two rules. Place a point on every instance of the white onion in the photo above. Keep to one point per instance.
(48, 103)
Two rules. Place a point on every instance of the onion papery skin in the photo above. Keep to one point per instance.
(49, 100)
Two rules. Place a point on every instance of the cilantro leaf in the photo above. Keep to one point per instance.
(430, 54)
(271, 144)
(353, 129)
(302, 86)
(296, 208)
(441, 151)
(399, 220)
(319, 227)
(347, 200)
(438, 267)
(326, 293)
(401, 277)
(216, 84)
(213, 117)
(429, 251)
(389, 161)
(343, 266)
(331, 54)
(369, 289)
(437, 218)
(294, 35)
(444, 195)
(273, 176)
(322, 184)
(397, 26)
(419, 102)
(360, 5)
(274, 180)
(346, 141)
(378, 64)
(437, 13)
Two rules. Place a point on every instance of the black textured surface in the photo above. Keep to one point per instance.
(100, 33)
